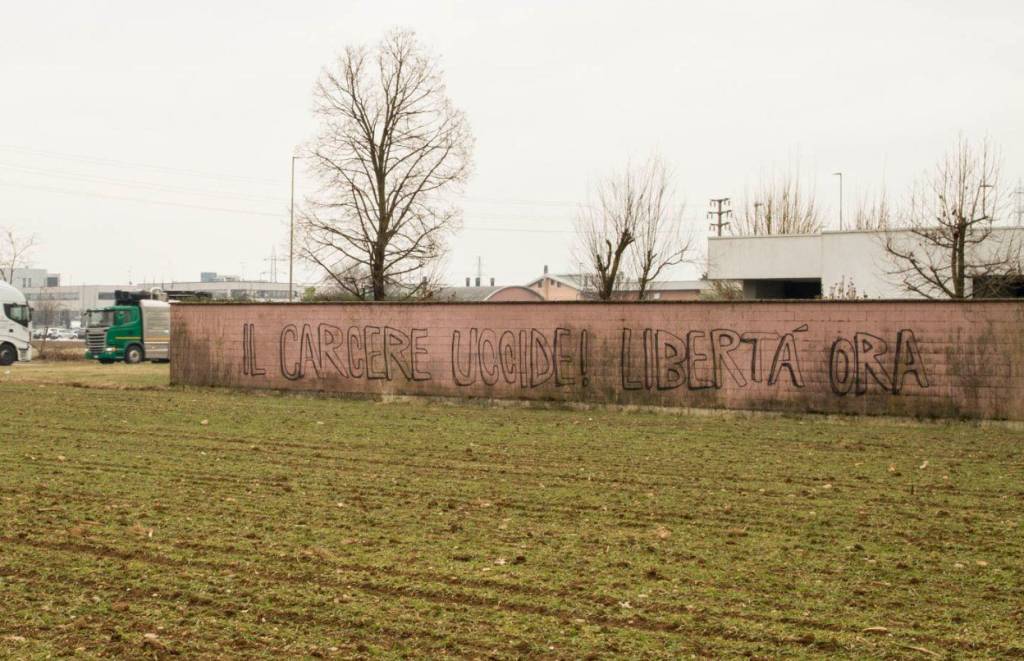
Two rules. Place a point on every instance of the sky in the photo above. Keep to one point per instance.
(147, 142)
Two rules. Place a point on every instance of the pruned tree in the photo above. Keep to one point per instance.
(844, 290)
(390, 148)
(873, 212)
(630, 231)
(15, 250)
(722, 290)
(606, 228)
(780, 205)
(949, 235)
(661, 238)
(719, 290)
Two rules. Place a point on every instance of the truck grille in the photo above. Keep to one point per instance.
(96, 341)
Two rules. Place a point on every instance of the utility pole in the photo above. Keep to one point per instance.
(1019, 206)
(273, 261)
(291, 239)
(840, 175)
(719, 209)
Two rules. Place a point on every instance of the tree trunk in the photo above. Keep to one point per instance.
(961, 276)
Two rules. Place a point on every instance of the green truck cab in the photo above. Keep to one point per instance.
(137, 328)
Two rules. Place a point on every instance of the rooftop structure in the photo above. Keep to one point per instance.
(573, 287)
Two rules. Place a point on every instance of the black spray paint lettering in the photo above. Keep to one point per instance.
(530, 357)
(854, 365)
(707, 360)
(249, 364)
(370, 352)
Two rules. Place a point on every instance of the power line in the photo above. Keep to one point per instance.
(251, 212)
(97, 160)
(64, 191)
(472, 228)
(75, 176)
(112, 162)
(105, 161)
(534, 203)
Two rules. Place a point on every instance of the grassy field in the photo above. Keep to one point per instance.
(138, 519)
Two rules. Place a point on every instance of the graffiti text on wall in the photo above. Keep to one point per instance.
(648, 358)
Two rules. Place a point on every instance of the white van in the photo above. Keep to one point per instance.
(15, 326)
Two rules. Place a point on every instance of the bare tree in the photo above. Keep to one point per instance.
(844, 290)
(630, 231)
(661, 240)
(948, 235)
(779, 206)
(14, 252)
(873, 212)
(390, 146)
(606, 227)
(722, 290)
(46, 313)
(719, 290)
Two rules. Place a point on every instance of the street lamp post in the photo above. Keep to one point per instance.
(984, 201)
(840, 175)
(291, 238)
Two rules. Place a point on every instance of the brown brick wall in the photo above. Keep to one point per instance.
(913, 358)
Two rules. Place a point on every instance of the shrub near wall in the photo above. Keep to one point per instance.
(896, 357)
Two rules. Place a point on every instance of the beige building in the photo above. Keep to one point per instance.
(572, 287)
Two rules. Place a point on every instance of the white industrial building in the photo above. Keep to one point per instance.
(73, 300)
(814, 265)
(27, 278)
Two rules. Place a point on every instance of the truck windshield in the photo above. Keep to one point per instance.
(99, 318)
(20, 314)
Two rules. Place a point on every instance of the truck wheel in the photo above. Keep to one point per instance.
(133, 354)
(7, 354)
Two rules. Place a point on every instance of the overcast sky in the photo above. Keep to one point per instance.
(153, 140)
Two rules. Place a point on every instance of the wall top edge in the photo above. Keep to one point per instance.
(765, 302)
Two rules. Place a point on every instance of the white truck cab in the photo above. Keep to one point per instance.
(15, 326)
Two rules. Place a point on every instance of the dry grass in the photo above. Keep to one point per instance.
(53, 351)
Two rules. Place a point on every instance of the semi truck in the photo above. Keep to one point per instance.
(15, 326)
(136, 328)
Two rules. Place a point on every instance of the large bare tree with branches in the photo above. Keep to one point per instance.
(949, 233)
(390, 149)
(14, 252)
(779, 205)
(631, 230)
